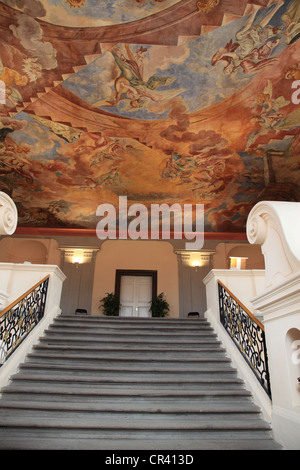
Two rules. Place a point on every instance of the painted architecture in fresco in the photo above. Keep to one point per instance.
(163, 101)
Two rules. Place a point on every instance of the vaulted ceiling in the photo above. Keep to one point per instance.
(162, 101)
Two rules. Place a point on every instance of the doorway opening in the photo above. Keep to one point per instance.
(135, 289)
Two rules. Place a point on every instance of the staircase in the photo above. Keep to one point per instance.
(123, 383)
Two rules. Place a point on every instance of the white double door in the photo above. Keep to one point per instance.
(135, 296)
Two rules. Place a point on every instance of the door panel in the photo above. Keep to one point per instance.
(127, 289)
(127, 296)
(135, 296)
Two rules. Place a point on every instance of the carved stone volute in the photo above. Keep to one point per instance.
(8, 215)
(275, 225)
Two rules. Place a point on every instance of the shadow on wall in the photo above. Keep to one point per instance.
(293, 359)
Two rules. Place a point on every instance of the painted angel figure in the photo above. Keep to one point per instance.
(130, 84)
(266, 101)
(291, 18)
(11, 78)
(269, 115)
(253, 45)
(248, 65)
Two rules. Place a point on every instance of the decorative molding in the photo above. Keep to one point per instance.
(280, 301)
(8, 215)
(86, 252)
(187, 257)
(82, 232)
(276, 227)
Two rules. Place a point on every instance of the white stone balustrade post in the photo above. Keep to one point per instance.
(276, 227)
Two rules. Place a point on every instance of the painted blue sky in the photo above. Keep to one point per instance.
(71, 12)
(191, 75)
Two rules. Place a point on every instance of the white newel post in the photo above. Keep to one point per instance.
(8, 225)
(276, 227)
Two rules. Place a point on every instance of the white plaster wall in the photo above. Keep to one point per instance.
(17, 278)
(244, 284)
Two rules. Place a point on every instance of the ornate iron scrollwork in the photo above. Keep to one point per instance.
(17, 321)
(247, 334)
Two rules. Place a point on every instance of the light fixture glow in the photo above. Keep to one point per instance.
(238, 262)
(77, 260)
(196, 264)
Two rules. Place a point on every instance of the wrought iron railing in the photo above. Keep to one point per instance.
(247, 333)
(19, 318)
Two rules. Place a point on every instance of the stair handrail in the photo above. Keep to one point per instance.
(20, 317)
(246, 332)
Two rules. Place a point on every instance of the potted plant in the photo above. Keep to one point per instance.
(110, 305)
(159, 306)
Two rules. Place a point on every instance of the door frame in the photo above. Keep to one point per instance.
(135, 272)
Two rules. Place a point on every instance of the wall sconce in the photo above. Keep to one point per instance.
(77, 260)
(196, 265)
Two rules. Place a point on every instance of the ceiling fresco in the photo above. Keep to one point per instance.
(161, 101)
(87, 13)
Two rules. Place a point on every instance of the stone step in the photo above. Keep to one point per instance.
(116, 345)
(131, 390)
(217, 375)
(123, 383)
(161, 321)
(140, 353)
(160, 400)
(151, 405)
(152, 321)
(133, 321)
(64, 419)
(213, 377)
(135, 327)
(214, 365)
(207, 370)
(146, 333)
(186, 442)
(127, 340)
(65, 353)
